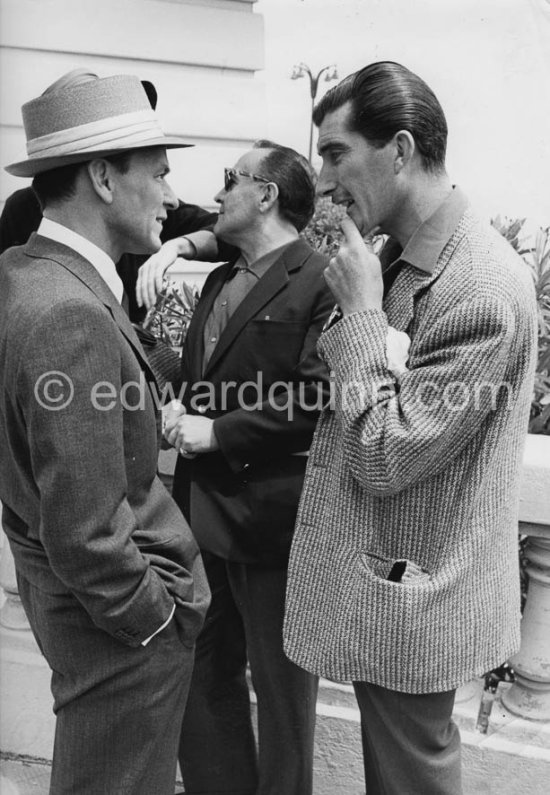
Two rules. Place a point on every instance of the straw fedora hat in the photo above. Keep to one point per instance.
(94, 118)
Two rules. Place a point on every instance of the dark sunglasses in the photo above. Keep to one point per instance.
(230, 180)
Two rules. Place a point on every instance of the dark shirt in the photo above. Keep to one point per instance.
(240, 280)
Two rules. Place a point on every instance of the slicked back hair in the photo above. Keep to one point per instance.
(295, 179)
(386, 97)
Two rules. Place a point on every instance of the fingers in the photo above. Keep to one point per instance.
(171, 413)
(173, 429)
(354, 273)
(149, 281)
(352, 235)
(176, 433)
(368, 239)
(151, 274)
(172, 436)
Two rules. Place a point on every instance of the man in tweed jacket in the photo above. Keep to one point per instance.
(403, 574)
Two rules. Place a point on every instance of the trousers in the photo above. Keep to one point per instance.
(218, 751)
(411, 746)
(118, 709)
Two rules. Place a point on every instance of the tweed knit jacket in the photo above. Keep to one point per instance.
(423, 469)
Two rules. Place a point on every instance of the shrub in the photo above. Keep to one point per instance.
(537, 256)
(323, 231)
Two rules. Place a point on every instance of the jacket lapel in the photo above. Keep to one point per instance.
(271, 283)
(45, 248)
(411, 282)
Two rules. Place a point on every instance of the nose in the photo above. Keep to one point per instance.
(219, 196)
(326, 183)
(170, 199)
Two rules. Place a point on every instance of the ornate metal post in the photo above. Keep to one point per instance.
(303, 70)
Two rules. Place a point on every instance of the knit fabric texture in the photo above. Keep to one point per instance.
(424, 469)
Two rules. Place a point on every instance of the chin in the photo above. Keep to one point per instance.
(353, 216)
(154, 245)
(363, 226)
(145, 249)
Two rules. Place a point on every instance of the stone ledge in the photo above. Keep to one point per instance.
(506, 732)
(534, 503)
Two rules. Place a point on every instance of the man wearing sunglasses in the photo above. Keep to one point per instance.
(254, 387)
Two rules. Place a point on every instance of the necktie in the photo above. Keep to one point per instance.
(390, 275)
(125, 303)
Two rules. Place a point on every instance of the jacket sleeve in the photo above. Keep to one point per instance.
(188, 218)
(77, 458)
(396, 433)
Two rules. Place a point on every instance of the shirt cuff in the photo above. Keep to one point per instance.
(146, 641)
(397, 351)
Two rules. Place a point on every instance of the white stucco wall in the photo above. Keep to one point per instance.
(201, 55)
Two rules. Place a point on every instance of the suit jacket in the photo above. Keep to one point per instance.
(425, 469)
(83, 508)
(264, 386)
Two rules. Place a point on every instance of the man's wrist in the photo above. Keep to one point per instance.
(364, 307)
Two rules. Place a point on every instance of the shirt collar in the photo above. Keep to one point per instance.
(101, 261)
(430, 238)
(263, 263)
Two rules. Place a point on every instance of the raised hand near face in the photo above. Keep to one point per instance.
(354, 275)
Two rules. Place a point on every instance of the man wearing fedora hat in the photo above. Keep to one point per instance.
(108, 571)
(187, 226)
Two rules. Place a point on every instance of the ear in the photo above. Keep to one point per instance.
(269, 196)
(100, 174)
(405, 148)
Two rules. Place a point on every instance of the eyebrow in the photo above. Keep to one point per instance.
(332, 146)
